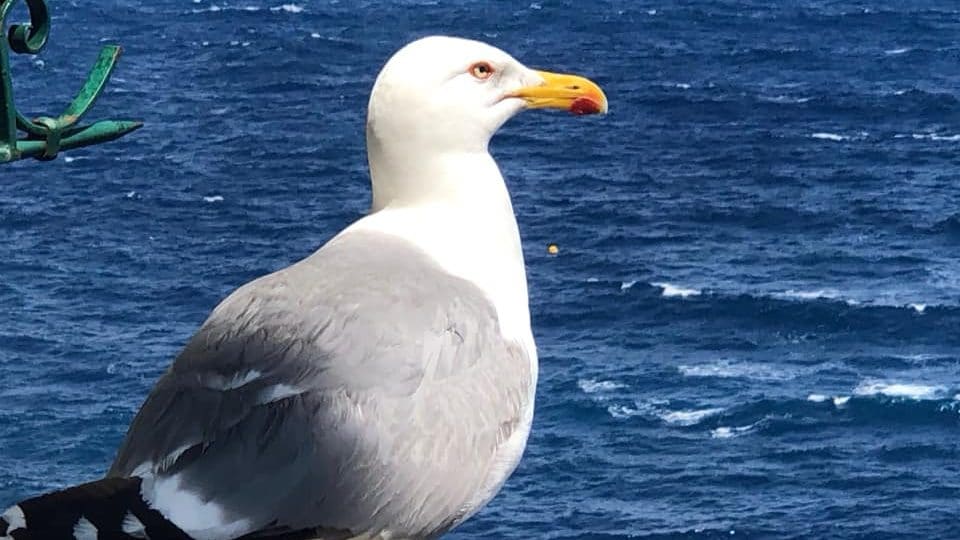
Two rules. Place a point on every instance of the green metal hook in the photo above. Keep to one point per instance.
(45, 136)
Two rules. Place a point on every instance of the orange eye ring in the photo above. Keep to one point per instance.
(481, 70)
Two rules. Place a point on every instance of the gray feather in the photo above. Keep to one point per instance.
(362, 389)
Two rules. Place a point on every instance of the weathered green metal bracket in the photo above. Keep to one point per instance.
(46, 136)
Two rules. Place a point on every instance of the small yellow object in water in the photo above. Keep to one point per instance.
(553, 249)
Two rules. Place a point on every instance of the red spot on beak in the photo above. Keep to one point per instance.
(584, 105)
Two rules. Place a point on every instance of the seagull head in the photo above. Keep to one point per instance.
(442, 96)
(456, 93)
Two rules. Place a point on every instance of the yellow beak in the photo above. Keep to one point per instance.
(576, 94)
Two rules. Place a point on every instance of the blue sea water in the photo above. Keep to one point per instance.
(750, 331)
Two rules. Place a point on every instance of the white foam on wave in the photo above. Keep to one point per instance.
(593, 386)
(828, 136)
(621, 412)
(657, 409)
(627, 284)
(688, 417)
(863, 298)
(782, 99)
(898, 50)
(731, 370)
(727, 432)
(899, 390)
(838, 401)
(215, 9)
(289, 8)
(929, 137)
(829, 294)
(670, 290)
(922, 358)
(213, 198)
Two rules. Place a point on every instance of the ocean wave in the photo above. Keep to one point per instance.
(593, 386)
(848, 299)
(871, 403)
(745, 370)
(929, 137)
(622, 412)
(925, 358)
(915, 391)
(823, 297)
(670, 290)
(829, 136)
(728, 432)
(658, 411)
(215, 8)
(817, 294)
(652, 409)
(289, 8)
(860, 301)
(881, 302)
(688, 417)
(838, 401)
(784, 99)
(836, 137)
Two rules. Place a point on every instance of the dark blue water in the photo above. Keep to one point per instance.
(751, 329)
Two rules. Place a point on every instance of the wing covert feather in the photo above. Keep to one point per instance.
(313, 395)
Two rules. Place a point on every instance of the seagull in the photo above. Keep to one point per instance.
(382, 387)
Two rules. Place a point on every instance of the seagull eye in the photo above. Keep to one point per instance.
(481, 70)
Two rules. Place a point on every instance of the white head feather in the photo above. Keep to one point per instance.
(426, 105)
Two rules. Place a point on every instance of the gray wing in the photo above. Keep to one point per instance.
(362, 389)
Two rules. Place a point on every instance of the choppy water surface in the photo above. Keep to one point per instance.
(750, 329)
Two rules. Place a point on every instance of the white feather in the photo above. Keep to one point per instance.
(133, 526)
(277, 392)
(15, 520)
(201, 519)
(216, 381)
(84, 530)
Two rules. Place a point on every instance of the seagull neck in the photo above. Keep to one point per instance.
(404, 179)
(459, 213)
